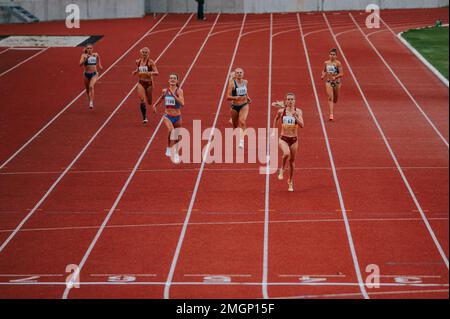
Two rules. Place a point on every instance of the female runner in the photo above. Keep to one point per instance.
(89, 60)
(146, 69)
(332, 73)
(173, 101)
(291, 118)
(238, 94)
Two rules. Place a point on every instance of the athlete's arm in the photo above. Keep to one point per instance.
(299, 118)
(154, 68)
(159, 100)
(83, 59)
(277, 118)
(230, 97)
(137, 68)
(180, 97)
(99, 62)
(324, 71)
(279, 104)
(341, 71)
(249, 100)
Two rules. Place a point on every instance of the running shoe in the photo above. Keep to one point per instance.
(291, 186)
(280, 174)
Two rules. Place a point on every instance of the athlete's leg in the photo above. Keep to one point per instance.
(336, 93)
(143, 98)
(285, 156)
(330, 94)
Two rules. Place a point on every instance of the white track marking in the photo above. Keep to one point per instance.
(64, 173)
(77, 97)
(200, 173)
(265, 274)
(225, 275)
(23, 62)
(286, 31)
(387, 30)
(306, 221)
(4, 51)
(380, 293)
(400, 83)
(388, 146)
(137, 275)
(203, 283)
(30, 275)
(26, 49)
(335, 176)
(218, 170)
(417, 54)
(138, 163)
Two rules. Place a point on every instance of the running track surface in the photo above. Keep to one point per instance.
(373, 190)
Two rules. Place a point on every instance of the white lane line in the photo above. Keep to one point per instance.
(64, 173)
(138, 163)
(391, 152)
(296, 276)
(400, 83)
(77, 97)
(295, 221)
(265, 275)
(221, 170)
(23, 62)
(222, 283)
(333, 166)
(111, 275)
(200, 173)
(6, 50)
(214, 275)
(379, 293)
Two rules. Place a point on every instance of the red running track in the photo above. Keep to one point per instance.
(218, 230)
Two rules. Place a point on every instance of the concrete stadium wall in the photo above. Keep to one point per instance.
(261, 6)
(48, 10)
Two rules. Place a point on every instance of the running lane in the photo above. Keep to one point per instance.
(426, 158)
(37, 167)
(387, 230)
(222, 248)
(53, 78)
(307, 242)
(424, 86)
(73, 211)
(156, 200)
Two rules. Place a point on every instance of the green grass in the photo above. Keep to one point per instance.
(432, 43)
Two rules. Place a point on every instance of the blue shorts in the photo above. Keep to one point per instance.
(89, 76)
(173, 119)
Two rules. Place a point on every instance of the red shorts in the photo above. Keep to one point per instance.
(289, 140)
(145, 84)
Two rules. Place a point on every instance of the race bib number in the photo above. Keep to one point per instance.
(143, 69)
(241, 91)
(331, 68)
(92, 60)
(170, 101)
(289, 120)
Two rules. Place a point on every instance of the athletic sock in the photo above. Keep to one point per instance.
(144, 110)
